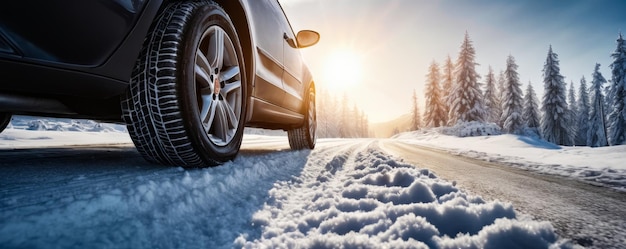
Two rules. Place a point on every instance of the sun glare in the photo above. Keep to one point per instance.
(343, 70)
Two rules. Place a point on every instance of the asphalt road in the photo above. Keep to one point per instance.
(592, 216)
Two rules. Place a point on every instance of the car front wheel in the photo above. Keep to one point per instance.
(187, 97)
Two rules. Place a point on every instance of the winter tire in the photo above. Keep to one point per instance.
(304, 136)
(187, 97)
(5, 119)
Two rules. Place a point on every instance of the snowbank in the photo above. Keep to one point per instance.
(603, 165)
(62, 124)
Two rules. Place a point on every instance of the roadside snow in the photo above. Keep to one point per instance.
(603, 165)
(31, 132)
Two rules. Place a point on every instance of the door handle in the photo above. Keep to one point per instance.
(290, 40)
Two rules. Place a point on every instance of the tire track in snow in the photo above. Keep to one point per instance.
(355, 196)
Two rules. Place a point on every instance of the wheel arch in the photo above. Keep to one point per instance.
(237, 12)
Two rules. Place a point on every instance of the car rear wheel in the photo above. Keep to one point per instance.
(187, 97)
(304, 136)
(5, 119)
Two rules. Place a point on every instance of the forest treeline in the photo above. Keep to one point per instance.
(584, 115)
(338, 117)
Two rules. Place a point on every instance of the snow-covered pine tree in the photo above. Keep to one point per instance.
(554, 125)
(572, 109)
(344, 121)
(416, 116)
(608, 101)
(512, 101)
(354, 127)
(500, 82)
(583, 114)
(531, 110)
(434, 115)
(467, 98)
(617, 116)
(596, 136)
(492, 99)
(327, 115)
(447, 87)
(365, 132)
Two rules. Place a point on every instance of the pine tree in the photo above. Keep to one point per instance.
(434, 115)
(617, 117)
(512, 102)
(326, 114)
(447, 87)
(572, 109)
(344, 122)
(492, 99)
(354, 126)
(467, 104)
(365, 132)
(531, 110)
(500, 82)
(337, 117)
(416, 117)
(554, 107)
(596, 136)
(583, 114)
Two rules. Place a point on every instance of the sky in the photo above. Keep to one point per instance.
(392, 42)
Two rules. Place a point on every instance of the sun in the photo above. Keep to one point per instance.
(343, 70)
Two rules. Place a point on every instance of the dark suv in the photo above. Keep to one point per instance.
(186, 77)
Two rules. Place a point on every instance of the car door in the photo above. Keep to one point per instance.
(267, 19)
(293, 66)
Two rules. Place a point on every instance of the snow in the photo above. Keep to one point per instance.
(598, 165)
(28, 132)
(344, 194)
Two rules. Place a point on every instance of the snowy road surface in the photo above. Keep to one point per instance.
(343, 194)
(591, 215)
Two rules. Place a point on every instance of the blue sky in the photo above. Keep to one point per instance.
(395, 40)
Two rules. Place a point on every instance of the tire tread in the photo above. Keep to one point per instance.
(151, 109)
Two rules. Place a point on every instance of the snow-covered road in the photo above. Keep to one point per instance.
(343, 194)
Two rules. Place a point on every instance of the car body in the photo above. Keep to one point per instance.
(210, 67)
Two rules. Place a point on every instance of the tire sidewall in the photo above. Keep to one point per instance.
(312, 137)
(203, 18)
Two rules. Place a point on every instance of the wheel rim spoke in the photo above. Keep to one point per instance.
(221, 126)
(208, 112)
(230, 87)
(203, 69)
(216, 49)
(230, 118)
(229, 73)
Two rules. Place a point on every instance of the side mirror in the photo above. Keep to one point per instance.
(307, 38)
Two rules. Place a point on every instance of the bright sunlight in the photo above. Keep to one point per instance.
(343, 70)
